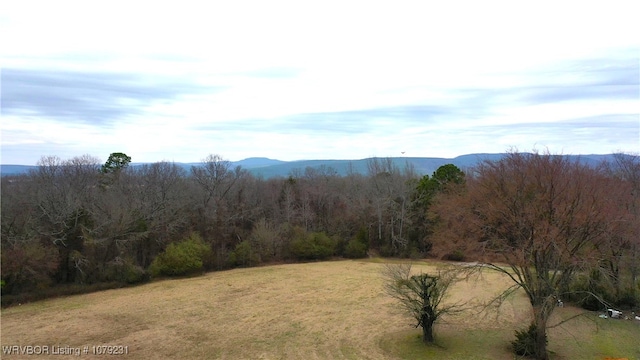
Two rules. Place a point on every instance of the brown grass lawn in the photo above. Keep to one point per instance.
(324, 310)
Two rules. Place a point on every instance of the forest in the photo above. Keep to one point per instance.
(81, 224)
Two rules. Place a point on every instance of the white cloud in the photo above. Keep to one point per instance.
(247, 68)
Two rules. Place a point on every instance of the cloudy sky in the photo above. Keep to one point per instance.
(291, 80)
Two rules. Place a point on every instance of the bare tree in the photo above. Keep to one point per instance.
(539, 214)
(421, 295)
(268, 240)
(214, 176)
(63, 195)
(390, 192)
(289, 199)
(27, 260)
(157, 213)
(625, 242)
(215, 179)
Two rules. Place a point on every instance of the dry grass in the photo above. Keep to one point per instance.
(327, 310)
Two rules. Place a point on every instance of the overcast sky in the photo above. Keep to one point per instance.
(179, 80)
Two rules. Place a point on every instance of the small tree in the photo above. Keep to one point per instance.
(420, 295)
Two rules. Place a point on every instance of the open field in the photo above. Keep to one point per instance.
(324, 310)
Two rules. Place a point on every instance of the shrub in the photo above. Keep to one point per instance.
(243, 255)
(629, 298)
(267, 239)
(362, 236)
(456, 255)
(414, 254)
(387, 251)
(524, 344)
(584, 286)
(28, 267)
(355, 249)
(313, 246)
(124, 271)
(183, 258)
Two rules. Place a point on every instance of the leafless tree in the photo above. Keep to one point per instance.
(215, 179)
(62, 197)
(540, 214)
(390, 194)
(421, 295)
(621, 248)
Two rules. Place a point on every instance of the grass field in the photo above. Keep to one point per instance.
(324, 310)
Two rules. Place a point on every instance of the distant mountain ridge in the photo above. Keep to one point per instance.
(268, 168)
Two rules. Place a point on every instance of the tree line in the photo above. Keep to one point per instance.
(80, 222)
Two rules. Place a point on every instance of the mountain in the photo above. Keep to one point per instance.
(14, 169)
(268, 168)
(257, 162)
(422, 165)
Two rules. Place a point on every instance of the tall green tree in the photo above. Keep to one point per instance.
(441, 180)
(115, 163)
(444, 179)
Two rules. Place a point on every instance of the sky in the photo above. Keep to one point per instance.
(293, 80)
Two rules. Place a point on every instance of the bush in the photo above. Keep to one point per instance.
(524, 344)
(183, 258)
(414, 254)
(629, 298)
(267, 240)
(243, 255)
(582, 288)
(124, 271)
(28, 267)
(313, 246)
(387, 251)
(355, 249)
(456, 255)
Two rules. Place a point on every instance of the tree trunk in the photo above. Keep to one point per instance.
(427, 331)
(379, 209)
(541, 315)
